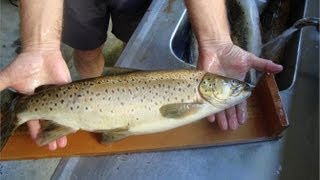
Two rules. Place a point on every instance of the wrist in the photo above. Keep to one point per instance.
(41, 47)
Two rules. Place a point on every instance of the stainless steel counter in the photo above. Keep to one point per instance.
(149, 48)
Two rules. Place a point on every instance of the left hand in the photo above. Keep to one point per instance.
(226, 59)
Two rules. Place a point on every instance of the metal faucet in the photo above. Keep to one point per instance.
(310, 21)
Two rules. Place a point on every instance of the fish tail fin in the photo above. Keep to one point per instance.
(9, 124)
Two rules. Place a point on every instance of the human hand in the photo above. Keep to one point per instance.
(226, 59)
(32, 69)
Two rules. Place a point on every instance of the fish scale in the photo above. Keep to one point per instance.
(128, 104)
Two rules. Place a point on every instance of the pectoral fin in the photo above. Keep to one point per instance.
(51, 131)
(114, 135)
(180, 110)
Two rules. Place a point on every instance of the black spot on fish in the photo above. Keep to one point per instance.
(189, 85)
(78, 107)
(100, 110)
(90, 99)
(122, 103)
(86, 108)
(55, 104)
(69, 87)
(35, 109)
(112, 91)
(36, 100)
(62, 101)
(71, 108)
(70, 95)
(87, 92)
(57, 95)
(64, 92)
(98, 94)
(50, 109)
(49, 94)
(79, 95)
(106, 90)
(179, 89)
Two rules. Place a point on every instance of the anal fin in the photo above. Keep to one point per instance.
(114, 135)
(51, 131)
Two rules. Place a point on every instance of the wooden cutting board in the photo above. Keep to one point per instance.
(266, 121)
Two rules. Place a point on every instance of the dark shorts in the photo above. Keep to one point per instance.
(85, 22)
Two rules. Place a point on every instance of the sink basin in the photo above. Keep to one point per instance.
(182, 42)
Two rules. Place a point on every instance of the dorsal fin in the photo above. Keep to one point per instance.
(43, 87)
(111, 71)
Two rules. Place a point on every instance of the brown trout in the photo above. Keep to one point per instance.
(126, 104)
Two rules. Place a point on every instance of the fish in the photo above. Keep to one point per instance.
(125, 104)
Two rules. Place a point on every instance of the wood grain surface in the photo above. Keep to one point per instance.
(266, 121)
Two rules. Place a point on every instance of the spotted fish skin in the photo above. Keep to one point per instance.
(136, 103)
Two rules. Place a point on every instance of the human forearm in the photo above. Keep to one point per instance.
(209, 20)
(41, 24)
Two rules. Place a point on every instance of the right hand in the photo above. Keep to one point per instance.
(32, 69)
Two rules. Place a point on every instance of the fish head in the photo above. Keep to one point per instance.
(222, 91)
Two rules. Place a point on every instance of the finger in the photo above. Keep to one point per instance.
(34, 128)
(242, 112)
(62, 142)
(232, 118)
(52, 146)
(264, 65)
(211, 118)
(222, 121)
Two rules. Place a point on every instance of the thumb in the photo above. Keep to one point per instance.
(264, 65)
(4, 79)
